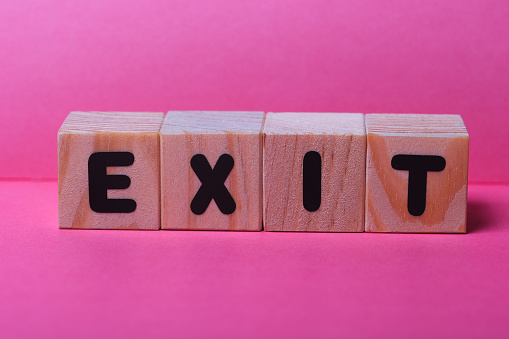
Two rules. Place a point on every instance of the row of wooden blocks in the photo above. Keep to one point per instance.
(309, 172)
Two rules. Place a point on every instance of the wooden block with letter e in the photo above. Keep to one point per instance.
(314, 172)
(108, 170)
(417, 172)
(211, 171)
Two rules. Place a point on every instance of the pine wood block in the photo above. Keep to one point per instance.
(417, 173)
(119, 152)
(314, 172)
(211, 171)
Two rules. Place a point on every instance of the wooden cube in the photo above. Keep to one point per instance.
(417, 172)
(211, 171)
(108, 170)
(314, 172)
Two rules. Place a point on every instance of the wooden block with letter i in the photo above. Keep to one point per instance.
(211, 171)
(417, 172)
(108, 170)
(314, 172)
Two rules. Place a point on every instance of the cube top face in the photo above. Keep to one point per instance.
(416, 125)
(212, 122)
(211, 171)
(314, 172)
(315, 123)
(416, 173)
(117, 122)
(124, 145)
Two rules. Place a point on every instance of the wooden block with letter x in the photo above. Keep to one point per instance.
(211, 171)
(108, 170)
(417, 172)
(314, 172)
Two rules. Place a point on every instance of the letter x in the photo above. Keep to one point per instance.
(212, 184)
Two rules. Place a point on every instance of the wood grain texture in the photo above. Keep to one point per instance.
(340, 139)
(387, 188)
(84, 133)
(185, 134)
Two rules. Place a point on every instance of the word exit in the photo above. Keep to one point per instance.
(248, 171)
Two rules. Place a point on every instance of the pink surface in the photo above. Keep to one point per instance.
(276, 55)
(72, 283)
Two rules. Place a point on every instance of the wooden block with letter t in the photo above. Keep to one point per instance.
(314, 172)
(211, 171)
(108, 170)
(417, 172)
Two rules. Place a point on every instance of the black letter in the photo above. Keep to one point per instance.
(212, 184)
(99, 182)
(312, 181)
(418, 167)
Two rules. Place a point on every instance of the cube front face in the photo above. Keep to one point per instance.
(431, 201)
(201, 168)
(108, 170)
(339, 176)
(74, 152)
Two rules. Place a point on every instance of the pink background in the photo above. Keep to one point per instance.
(344, 56)
(275, 55)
